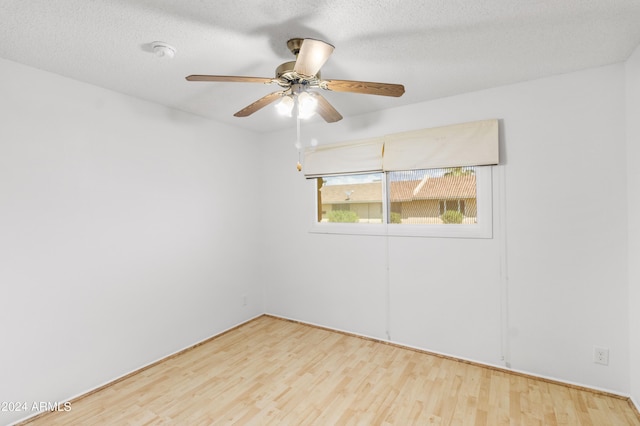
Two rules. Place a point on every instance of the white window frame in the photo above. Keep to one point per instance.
(483, 228)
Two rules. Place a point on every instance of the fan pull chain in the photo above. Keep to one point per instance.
(298, 144)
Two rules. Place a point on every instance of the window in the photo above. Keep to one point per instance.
(452, 205)
(350, 198)
(433, 196)
(427, 182)
(443, 202)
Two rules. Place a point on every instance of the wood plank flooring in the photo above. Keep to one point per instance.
(274, 371)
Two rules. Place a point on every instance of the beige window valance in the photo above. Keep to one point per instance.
(362, 156)
(466, 144)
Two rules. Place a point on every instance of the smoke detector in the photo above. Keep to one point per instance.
(163, 50)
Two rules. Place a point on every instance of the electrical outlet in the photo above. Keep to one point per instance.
(244, 300)
(601, 355)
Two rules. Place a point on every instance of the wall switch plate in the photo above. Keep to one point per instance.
(601, 355)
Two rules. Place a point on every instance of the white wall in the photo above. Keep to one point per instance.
(122, 239)
(562, 236)
(633, 192)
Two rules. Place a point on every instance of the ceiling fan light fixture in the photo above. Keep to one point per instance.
(285, 106)
(306, 105)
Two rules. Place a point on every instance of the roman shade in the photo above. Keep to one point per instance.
(458, 145)
(467, 144)
(362, 156)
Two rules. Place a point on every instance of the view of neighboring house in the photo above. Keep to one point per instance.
(421, 201)
(365, 199)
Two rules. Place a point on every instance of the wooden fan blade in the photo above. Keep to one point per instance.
(312, 56)
(259, 104)
(231, 78)
(325, 109)
(364, 87)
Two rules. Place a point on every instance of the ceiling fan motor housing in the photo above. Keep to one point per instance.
(286, 71)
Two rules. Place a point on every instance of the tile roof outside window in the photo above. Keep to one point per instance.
(429, 188)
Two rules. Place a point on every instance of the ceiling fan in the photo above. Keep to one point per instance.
(296, 77)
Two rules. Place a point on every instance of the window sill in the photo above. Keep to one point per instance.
(432, 231)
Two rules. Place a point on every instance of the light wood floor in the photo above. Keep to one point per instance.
(273, 371)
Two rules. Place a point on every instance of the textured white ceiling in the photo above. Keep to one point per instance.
(435, 48)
